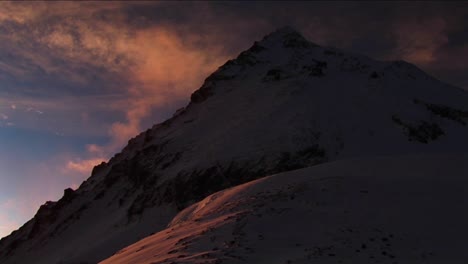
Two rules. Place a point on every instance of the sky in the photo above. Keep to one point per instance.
(79, 79)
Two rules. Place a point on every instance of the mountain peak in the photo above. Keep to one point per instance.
(288, 36)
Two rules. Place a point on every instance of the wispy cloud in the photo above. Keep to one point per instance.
(418, 41)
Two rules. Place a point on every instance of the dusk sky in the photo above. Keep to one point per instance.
(79, 79)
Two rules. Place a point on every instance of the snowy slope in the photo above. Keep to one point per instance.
(283, 104)
(371, 210)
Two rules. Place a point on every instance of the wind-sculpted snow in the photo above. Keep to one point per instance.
(283, 104)
(405, 209)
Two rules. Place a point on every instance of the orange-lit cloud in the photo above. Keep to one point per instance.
(24, 12)
(418, 41)
(160, 65)
(167, 67)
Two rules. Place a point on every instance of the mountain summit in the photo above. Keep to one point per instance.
(283, 104)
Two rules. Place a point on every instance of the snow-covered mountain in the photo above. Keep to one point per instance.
(283, 104)
(406, 210)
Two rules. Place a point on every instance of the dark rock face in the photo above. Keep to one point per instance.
(191, 186)
(447, 112)
(317, 69)
(275, 75)
(425, 131)
(201, 94)
(98, 168)
(374, 75)
(422, 132)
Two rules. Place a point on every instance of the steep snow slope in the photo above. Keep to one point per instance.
(369, 210)
(283, 104)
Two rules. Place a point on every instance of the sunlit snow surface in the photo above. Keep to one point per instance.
(408, 209)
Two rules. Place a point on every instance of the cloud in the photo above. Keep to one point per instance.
(4, 120)
(418, 41)
(15, 12)
(32, 109)
(24, 12)
(152, 65)
(167, 67)
(93, 148)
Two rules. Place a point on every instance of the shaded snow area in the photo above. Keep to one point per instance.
(408, 209)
